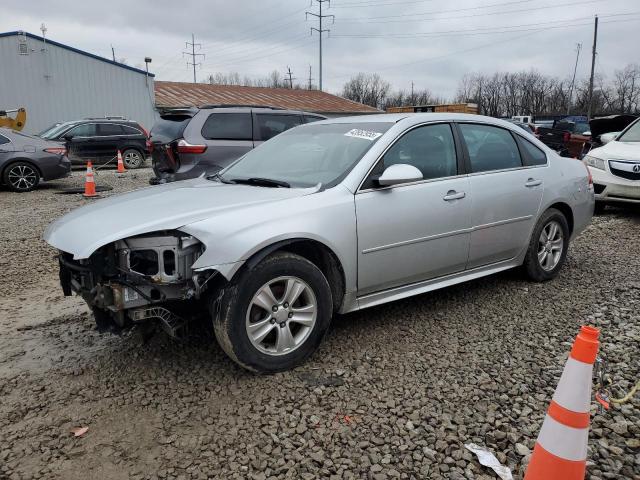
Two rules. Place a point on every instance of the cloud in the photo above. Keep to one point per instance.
(431, 43)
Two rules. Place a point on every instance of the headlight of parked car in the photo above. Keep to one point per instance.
(594, 162)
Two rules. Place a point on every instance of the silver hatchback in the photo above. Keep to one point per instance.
(329, 217)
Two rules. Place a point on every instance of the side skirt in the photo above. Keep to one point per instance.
(418, 288)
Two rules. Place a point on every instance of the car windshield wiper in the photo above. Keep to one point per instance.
(261, 182)
(217, 176)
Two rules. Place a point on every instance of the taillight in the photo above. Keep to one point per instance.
(186, 147)
(56, 150)
(566, 136)
(589, 174)
(149, 145)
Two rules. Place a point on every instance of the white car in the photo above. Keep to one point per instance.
(615, 168)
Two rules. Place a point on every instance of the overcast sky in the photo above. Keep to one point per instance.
(430, 42)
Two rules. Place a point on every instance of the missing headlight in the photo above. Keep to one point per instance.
(144, 262)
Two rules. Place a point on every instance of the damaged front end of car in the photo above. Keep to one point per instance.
(140, 278)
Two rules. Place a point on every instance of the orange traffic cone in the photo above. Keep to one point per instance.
(120, 163)
(89, 183)
(561, 449)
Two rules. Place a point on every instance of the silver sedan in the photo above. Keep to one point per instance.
(329, 217)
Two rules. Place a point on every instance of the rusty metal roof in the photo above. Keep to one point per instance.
(181, 94)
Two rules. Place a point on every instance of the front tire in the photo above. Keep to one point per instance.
(599, 208)
(21, 177)
(548, 246)
(274, 316)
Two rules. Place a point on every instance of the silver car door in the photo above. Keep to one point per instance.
(416, 231)
(506, 194)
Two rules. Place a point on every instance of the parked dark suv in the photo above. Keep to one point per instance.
(99, 139)
(187, 143)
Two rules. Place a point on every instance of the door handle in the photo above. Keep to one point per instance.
(453, 195)
(532, 182)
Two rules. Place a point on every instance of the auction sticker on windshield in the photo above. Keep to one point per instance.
(366, 134)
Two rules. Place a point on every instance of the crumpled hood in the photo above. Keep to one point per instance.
(618, 151)
(163, 207)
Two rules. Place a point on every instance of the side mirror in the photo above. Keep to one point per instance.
(399, 173)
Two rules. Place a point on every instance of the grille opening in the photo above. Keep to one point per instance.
(169, 260)
(598, 188)
(144, 261)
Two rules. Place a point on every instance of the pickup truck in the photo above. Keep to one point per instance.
(567, 136)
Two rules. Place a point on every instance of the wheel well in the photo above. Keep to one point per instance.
(18, 160)
(318, 254)
(566, 211)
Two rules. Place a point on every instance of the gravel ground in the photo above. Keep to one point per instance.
(394, 392)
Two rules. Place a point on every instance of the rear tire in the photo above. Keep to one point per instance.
(548, 246)
(132, 159)
(21, 177)
(258, 328)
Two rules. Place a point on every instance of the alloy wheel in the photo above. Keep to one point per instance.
(22, 177)
(281, 315)
(550, 245)
(132, 159)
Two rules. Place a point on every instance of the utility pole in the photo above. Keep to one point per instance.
(193, 55)
(310, 79)
(412, 97)
(320, 31)
(593, 67)
(290, 73)
(113, 53)
(573, 80)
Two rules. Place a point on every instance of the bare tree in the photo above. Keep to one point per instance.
(369, 89)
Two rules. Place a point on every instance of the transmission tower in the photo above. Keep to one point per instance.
(193, 55)
(320, 31)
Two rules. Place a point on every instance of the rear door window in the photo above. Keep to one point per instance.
(109, 130)
(3, 140)
(490, 148)
(228, 126)
(531, 155)
(270, 125)
(85, 130)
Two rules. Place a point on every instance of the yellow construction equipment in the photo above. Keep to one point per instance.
(14, 123)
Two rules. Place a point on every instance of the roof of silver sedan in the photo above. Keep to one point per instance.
(417, 117)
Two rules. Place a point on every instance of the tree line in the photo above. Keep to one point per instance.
(512, 93)
(275, 79)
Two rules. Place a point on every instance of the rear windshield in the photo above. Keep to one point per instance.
(169, 127)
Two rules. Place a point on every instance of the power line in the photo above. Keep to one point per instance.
(193, 55)
(320, 30)
(486, 30)
(502, 12)
(573, 80)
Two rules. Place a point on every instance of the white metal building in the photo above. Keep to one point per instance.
(57, 83)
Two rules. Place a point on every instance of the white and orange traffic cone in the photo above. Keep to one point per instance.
(121, 169)
(561, 449)
(89, 182)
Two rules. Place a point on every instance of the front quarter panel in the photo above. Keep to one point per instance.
(327, 217)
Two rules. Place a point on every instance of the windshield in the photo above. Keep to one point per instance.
(632, 134)
(55, 130)
(307, 155)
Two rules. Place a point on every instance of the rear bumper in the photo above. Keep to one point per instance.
(60, 170)
(610, 188)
